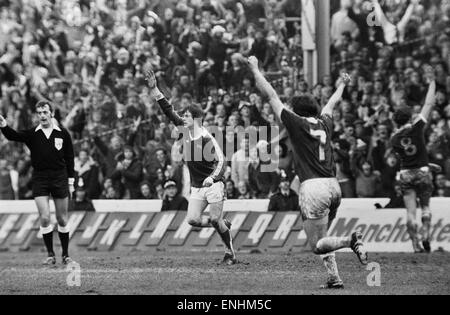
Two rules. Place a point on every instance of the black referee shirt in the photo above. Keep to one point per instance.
(53, 154)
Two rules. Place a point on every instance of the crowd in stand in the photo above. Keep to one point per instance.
(88, 57)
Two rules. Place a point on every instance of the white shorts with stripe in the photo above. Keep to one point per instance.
(212, 194)
(320, 197)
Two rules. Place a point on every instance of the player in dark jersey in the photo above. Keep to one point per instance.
(207, 165)
(320, 193)
(416, 179)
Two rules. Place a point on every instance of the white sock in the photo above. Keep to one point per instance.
(46, 230)
(329, 260)
(63, 229)
(331, 244)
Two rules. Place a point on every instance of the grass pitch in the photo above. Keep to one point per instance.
(201, 273)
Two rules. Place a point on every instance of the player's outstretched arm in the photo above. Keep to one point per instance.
(10, 133)
(336, 97)
(379, 13)
(431, 95)
(164, 104)
(407, 16)
(264, 86)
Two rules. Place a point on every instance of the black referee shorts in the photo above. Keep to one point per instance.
(51, 183)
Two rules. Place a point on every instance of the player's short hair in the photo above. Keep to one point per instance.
(402, 115)
(305, 106)
(42, 104)
(196, 111)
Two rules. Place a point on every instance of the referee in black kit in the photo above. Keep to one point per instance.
(52, 158)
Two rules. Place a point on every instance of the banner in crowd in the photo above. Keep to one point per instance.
(384, 230)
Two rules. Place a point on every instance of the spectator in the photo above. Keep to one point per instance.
(158, 167)
(24, 170)
(240, 163)
(271, 62)
(285, 160)
(109, 192)
(438, 148)
(130, 172)
(343, 171)
(367, 182)
(146, 192)
(394, 33)
(254, 11)
(108, 154)
(442, 186)
(259, 47)
(106, 185)
(388, 173)
(7, 182)
(159, 142)
(285, 199)
(159, 190)
(81, 201)
(382, 144)
(231, 190)
(217, 52)
(179, 171)
(172, 200)
(262, 183)
(342, 24)
(87, 175)
(247, 42)
(244, 191)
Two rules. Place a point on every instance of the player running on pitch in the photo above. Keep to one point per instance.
(207, 172)
(408, 141)
(320, 193)
(52, 159)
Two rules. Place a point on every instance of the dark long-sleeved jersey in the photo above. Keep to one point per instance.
(203, 155)
(409, 143)
(53, 154)
(311, 139)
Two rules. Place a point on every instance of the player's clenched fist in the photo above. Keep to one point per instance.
(430, 74)
(345, 78)
(3, 122)
(253, 62)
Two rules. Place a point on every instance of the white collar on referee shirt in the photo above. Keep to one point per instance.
(48, 131)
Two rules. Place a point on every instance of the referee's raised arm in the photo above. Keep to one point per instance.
(10, 133)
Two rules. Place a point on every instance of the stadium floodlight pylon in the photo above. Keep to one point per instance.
(315, 40)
